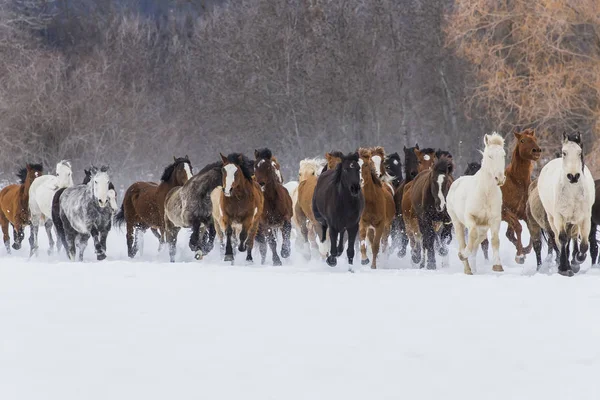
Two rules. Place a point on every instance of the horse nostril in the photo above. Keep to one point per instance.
(570, 177)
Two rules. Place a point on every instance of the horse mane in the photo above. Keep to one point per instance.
(337, 154)
(66, 163)
(315, 164)
(472, 168)
(22, 173)
(442, 153)
(443, 166)
(428, 150)
(394, 156)
(171, 168)
(263, 153)
(495, 139)
(364, 152)
(241, 161)
(211, 166)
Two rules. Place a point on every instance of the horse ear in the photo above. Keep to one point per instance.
(223, 158)
(241, 158)
(404, 148)
(186, 157)
(417, 151)
(174, 158)
(532, 132)
(256, 154)
(565, 138)
(328, 156)
(417, 145)
(517, 135)
(485, 139)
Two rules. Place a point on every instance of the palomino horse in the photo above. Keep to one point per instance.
(475, 203)
(567, 191)
(14, 205)
(424, 210)
(190, 206)
(242, 203)
(277, 210)
(144, 204)
(338, 203)
(85, 211)
(310, 169)
(41, 193)
(472, 169)
(379, 210)
(415, 161)
(515, 189)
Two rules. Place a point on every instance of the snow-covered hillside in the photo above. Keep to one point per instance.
(147, 329)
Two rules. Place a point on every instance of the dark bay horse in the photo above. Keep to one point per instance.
(424, 210)
(338, 203)
(515, 189)
(144, 203)
(14, 205)
(277, 211)
(242, 203)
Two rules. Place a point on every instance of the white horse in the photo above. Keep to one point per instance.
(567, 192)
(475, 203)
(41, 193)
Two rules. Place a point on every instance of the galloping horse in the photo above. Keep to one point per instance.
(424, 210)
(277, 210)
(515, 189)
(472, 169)
(379, 210)
(144, 203)
(242, 204)
(475, 203)
(567, 191)
(338, 203)
(41, 193)
(85, 211)
(14, 205)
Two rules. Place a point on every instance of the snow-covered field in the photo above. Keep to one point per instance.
(147, 329)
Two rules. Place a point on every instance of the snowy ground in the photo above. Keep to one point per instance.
(147, 329)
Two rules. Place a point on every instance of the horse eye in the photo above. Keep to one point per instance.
(564, 154)
(522, 140)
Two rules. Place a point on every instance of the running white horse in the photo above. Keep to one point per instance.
(567, 192)
(41, 193)
(475, 203)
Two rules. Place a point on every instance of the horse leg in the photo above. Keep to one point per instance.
(563, 267)
(331, 258)
(513, 234)
(340, 249)
(5, 226)
(157, 235)
(272, 240)
(194, 243)
(262, 244)
(48, 225)
(139, 239)
(593, 243)
(250, 241)
(352, 231)
(131, 236)
(103, 236)
(208, 239)
(428, 235)
(171, 232)
(395, 234)
(362, 233)
(33, 235)
(228, 247)
(286, 233)
(467, 251)
(495, 228)
(82, 241)
(403, 238)
(375, 239)
(97, 245)
(19, 234)
(585, 227)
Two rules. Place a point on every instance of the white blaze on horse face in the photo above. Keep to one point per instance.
(571, 159)
(230, 171)
(360, 165)
(440, 181)
(277, 172)
(188, 170)
(395, 162)
(377, 163)
(426, 157)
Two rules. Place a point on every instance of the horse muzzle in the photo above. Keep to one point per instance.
(102, 203)
(355, 190)
(573, 178)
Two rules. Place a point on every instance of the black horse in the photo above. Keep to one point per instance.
(338, 203)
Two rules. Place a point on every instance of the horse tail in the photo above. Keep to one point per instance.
(120, 216)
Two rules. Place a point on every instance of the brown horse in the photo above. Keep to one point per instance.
(303, 212)
(242, 204)
(424, 211)
(144, 203)
(378, 213)
(277, 212)
(515, 189)
(14, 205)
(416, 161)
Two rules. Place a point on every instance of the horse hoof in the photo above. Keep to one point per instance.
(468, 271)
(285, 253)
(229, 257)
(431, 266)
(199, 255)
(520, 259)
(402, 253)
(249, 261)
(365, 261)
(373, 266)
(575, 268)
(444, 251)
(566, 273)
(16, 246)
(277, 263)
(498, 268)
(350, 261)
(331, 261)
(101, 257)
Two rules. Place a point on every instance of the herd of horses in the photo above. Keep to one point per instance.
(365, 199)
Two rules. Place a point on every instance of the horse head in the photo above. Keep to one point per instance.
(267, 155)
(179, 172)
(265, 172)
(572, 156)
(411, 162)
(426, 158)
(494, 157)
(99, 182)
(393, 167)
(377, 157)
(527, 147)
(349, 170)
(440, 181)
(64, 174)
(310, 167)
(235, 170)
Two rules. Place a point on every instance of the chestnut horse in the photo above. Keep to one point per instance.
(14, 205)
(277, 211)
(424, 210)
(378, 214)
(242, 203)
(144, 203)
(515, 189)
(415, 161)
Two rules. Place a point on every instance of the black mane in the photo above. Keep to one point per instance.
(428, 150)
(576, 138)
(442, 153)
(394, 156)
(263, 153)
(215, 165)
(472, 168)
(22, 173)
(243, 162)
(169, 170)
